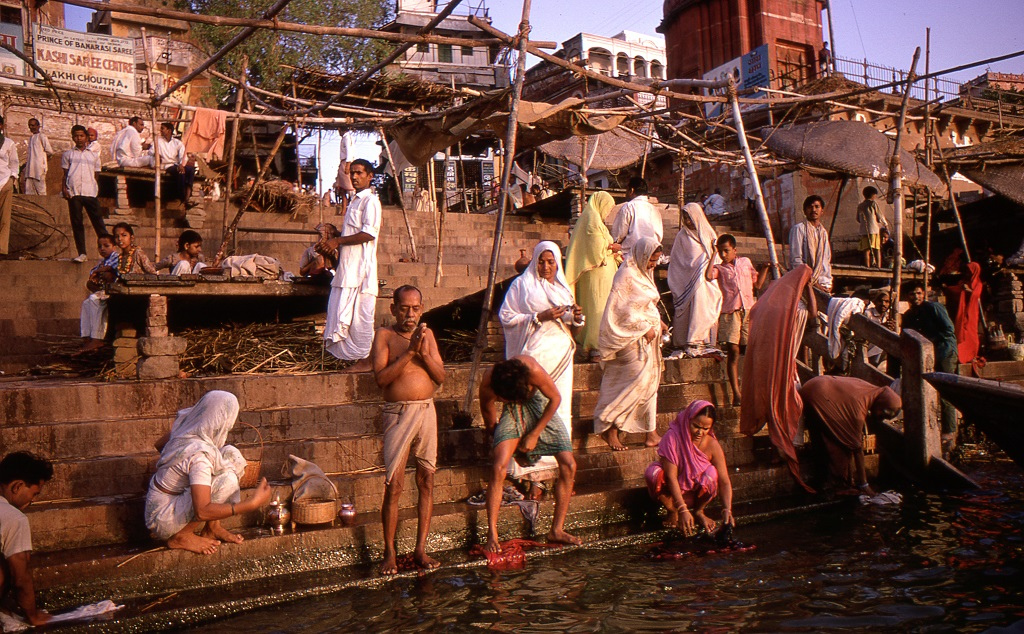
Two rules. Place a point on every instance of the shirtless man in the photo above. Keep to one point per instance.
(525, 430)
(409, 369)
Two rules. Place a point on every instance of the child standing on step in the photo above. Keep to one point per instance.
(871, 222)
(737, 278)
(21, 477)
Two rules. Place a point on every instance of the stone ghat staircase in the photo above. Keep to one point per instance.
(100, 436)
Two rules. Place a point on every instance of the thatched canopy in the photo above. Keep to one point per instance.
(998, 166)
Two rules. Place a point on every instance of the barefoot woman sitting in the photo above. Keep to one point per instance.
(196, 480)
(691, 470)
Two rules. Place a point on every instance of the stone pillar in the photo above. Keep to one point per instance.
(126, 354)
(921, 428)
(158, 351)
(122, 211)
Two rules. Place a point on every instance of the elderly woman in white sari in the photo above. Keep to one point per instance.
(697, 300)
(196, 479)
(540, 317)
(590, 265)
(631, 350)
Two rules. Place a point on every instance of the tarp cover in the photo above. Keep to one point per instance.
(609, 151)
(420, 137)
(998, 166)
(849, 147)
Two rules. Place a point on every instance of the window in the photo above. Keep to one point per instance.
(467, 51)
(10, 15)
(423, 47)
(444, 53)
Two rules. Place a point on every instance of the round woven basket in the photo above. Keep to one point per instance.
(251, 476)
(315, 510)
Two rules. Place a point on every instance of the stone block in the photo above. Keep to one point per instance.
(125, 342)
(161, 367)
(126, 331)
(162, 346)
(125, 354)
(157, 331)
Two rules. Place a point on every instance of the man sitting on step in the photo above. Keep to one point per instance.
(21, 478)
(408, 367)
(528, 429)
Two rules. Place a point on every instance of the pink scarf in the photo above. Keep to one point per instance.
(676, 446)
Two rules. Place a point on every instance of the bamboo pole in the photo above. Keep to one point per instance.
(248, 199)
(681, 187)
(762, 211)
(239, 37)
(239, 96)
(292, 27)
(298, 159)
(156, 150)
(835, 213)
(927, 154)
(896, 190)
(462, 176)
(401, 197)
(583, 172)
(831, 36)
(438, 266)
(499, 223)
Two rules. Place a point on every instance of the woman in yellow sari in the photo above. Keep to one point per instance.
(590, 266)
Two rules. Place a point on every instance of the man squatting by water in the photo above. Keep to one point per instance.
(408, 368)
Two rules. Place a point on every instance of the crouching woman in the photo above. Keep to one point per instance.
(691, 471)
(196, 481)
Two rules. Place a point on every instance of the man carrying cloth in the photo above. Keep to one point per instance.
(409, 369)
(808, 244)
(349, 330)
(528, 429)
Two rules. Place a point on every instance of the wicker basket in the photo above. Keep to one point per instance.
(315, 510)
(251, 476)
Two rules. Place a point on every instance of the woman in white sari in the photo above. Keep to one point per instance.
(697, 300)
(540, 317)
(631, 350)
(196, 479)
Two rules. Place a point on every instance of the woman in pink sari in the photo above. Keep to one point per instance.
(691, 471)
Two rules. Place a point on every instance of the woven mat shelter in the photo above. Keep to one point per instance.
(853, 148)
(998, 166)
(609, 151)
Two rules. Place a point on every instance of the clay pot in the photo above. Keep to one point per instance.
(522, 262)
(347, 514)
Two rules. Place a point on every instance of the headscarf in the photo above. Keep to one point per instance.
(204, 429)
(588, 246)
(632, 307)
(529, 294)
(677, 447)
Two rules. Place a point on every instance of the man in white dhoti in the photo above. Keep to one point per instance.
(637, 218)
(349, 330)
(128, 148)
(36, 160)
(540, 317)
(697, 300)
(714, 205)
(808, 244)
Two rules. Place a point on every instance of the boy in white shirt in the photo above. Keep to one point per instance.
(21, 478)
(80, 188)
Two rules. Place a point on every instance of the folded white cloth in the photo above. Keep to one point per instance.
(919, 266)
(883, 499)
(12, 623)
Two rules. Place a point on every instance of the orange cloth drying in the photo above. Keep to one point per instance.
(205, 135)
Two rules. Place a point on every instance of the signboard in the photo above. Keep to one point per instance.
(10, 34)
(410, 178)
(749, 71)
(87, 60)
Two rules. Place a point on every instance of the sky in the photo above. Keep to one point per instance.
(883, 31)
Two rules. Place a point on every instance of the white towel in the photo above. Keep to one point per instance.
(11, 623)
(887, 498)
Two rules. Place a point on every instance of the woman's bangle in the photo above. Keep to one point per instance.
(863, 486)
(684, 510)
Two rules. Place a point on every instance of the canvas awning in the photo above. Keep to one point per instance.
(997, 166)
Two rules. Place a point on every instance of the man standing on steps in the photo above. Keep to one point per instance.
(39, 151)
(9, 167)
(349, 330)
(409, 369)
(636, 219)
(808, 244)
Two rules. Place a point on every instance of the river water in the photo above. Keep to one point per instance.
(938, 563)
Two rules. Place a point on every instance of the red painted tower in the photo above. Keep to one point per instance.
(701, 35)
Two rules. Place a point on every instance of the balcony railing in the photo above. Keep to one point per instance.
(874, 75)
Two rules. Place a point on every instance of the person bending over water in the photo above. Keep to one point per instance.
(409, 369)
(528, 428)
(691, 471)
(196, 481)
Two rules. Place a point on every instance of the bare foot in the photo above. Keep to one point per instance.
(536, 492)
(672, 521)
(388, 567)
(193, 543)
(363, 365)
(736, 402)
(706, 522)
(425, 561)
(215, 530)
(612, 438)
(492, 545)
(652, 439)
(561, 537)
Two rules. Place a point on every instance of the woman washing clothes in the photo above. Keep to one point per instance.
(691, 471)
(540, 317)
(196, 481)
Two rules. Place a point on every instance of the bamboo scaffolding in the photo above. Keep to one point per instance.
(156, 150)
(499, 223)
(401, 197)
(232, 147)
(438, 266)
(896, 190)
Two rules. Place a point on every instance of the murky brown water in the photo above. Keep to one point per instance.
(936, 564)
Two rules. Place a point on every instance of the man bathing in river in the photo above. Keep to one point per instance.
(528, 429)
(409, 369)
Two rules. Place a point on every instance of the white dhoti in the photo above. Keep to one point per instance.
(94, 316)
(629, 390)
(167, 514)
(348, 333)
(35, 186)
